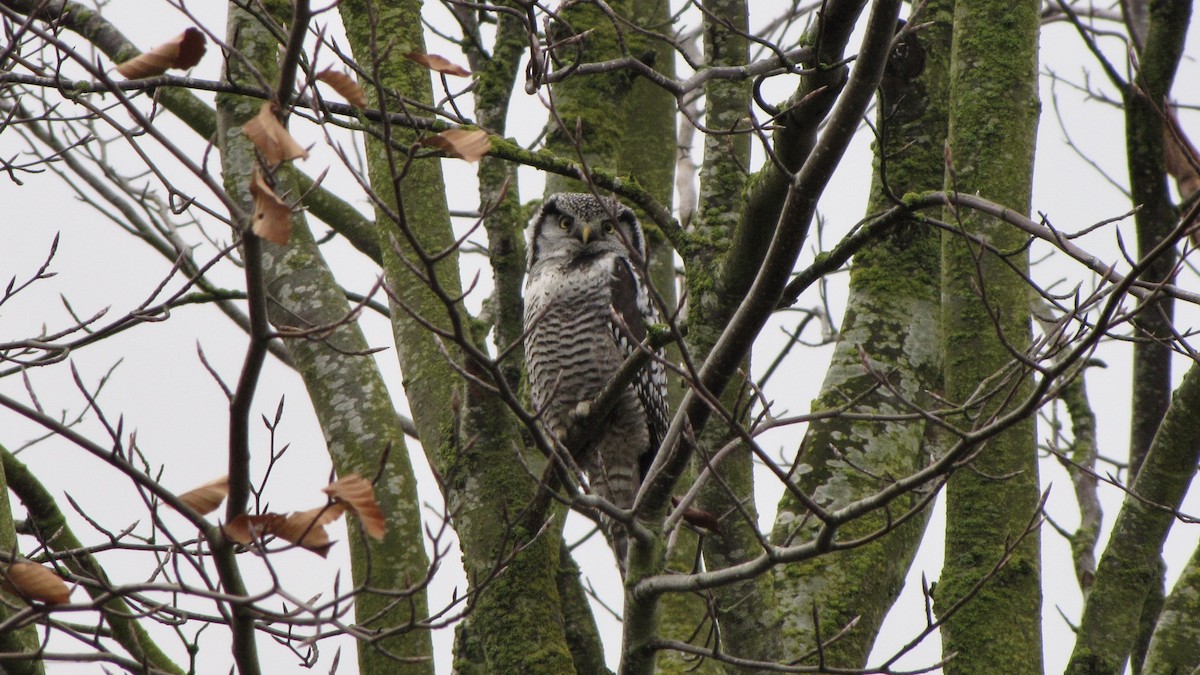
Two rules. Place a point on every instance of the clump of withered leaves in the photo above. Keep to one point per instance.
(306, 529)
(351, 494)
(272, 218)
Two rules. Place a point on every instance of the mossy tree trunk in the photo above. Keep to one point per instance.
(1155, 216)
(468, 434)
(647, 156)
(746, 611)
(1126, 618)
(893, 317)
(1129, 566)
(347, 392)
(1159, 56)
(990, 503)
(1174, 646)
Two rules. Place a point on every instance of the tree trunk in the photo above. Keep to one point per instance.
(1175, 644)
(347, 392)
(894, 291)
(468, 434)
(989, 503)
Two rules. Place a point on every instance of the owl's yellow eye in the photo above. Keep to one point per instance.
(608, 226)
(566, 222)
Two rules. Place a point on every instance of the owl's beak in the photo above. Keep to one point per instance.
(585, 234)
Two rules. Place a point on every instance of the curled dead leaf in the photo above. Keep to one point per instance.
(438, 63)
(307, 528)
(358, 495)
(302, 528)
(1181, 157)
(247, 529)
(272, 138)
(323, 515)
(272, 219)
(701, 519)
(35, 582)
(344, 85)
(182, 52)
(206, 498)
(468, 144)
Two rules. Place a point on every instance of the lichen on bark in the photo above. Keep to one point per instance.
(352, 404)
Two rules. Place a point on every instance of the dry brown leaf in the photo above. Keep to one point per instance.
(272, 218)
(31, 580)
(328, 513)
(272, 138)
(358, 495)
(702, 519)
(438, 63)
(183, 51)
(246, 529)
(344, 85)
(468, 144)
(307, 528)
(302, 528)
(206, 498)
(1177, 149)
(698, 518)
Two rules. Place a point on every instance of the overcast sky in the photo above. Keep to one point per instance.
(162, 389)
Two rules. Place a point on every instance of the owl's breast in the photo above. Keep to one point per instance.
(569, 344)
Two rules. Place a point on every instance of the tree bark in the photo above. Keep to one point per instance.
(986, 313)
(1154, 219)
(1129, 565)
(469, 435)
(22, 640)
(343, 382)
(894, 291)
(1175, 644)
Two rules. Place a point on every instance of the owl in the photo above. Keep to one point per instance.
(587, 307)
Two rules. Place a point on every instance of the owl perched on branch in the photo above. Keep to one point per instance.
(586, 310)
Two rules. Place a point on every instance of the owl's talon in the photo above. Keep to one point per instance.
(560, 432)
(582, 411)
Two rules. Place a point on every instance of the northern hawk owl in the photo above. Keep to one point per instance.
(587, 307)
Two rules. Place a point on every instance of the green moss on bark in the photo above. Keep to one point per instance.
(1175, 644)
(1130, 563)
(590, 110)
(993, 124)
(23, 640)
(414, 211)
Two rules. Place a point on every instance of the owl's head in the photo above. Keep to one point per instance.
(573, 225)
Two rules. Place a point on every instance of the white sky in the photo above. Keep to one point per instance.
(162, 390)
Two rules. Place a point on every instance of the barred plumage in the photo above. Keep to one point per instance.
(586, 310)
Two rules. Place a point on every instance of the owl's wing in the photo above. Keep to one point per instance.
(633, 305)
